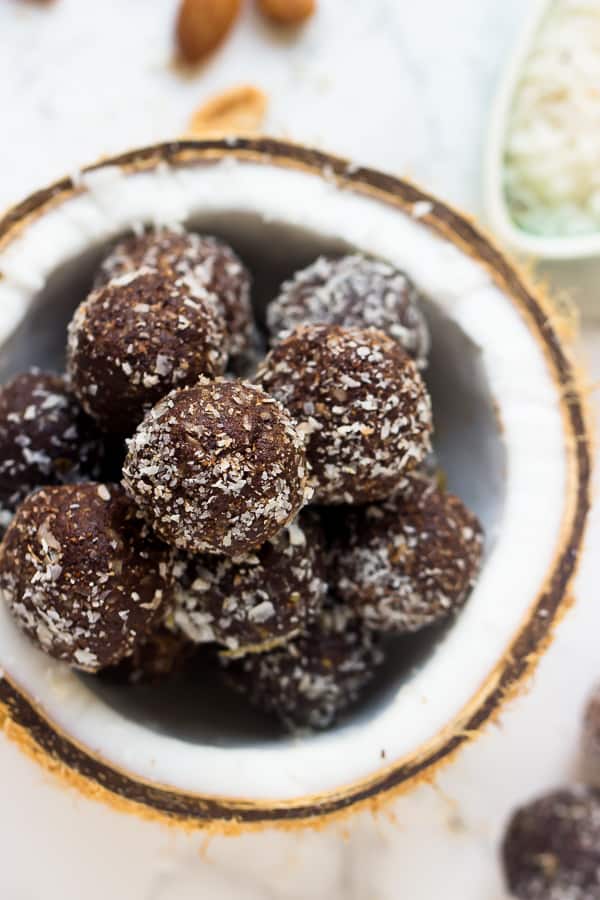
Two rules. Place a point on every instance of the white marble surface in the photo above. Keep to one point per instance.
(403, 86)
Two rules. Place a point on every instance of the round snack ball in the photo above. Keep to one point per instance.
(217, 468)
(354, 292)
(361, 401)
(254, 602)
(45, 437)
(410, 561)
(135, 339)
(551, 850)
(218, 273)
(162, 655)
(309, 681)
(82, 575)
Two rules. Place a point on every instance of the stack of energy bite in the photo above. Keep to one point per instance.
(291, 518)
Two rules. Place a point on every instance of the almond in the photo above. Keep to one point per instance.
(288, 12)
(202, 25)
(240, 110)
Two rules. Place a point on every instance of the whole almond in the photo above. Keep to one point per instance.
(288, 12)
(202, 25)
(239, 110)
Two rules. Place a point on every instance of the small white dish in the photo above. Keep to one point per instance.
(496, 208)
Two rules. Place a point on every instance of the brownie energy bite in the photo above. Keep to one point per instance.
(354, 292)
(136, 338)
(253, 602)
(45, 437)
(82, 575)
(219, 467)
(360, 400)
(217, 272)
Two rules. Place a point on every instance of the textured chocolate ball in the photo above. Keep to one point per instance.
(254, 602)
(410, 561)
(590, 743)
(362, 403)
(551, 850)
(135, 339)
(45, 437)
(310, 681)
(82, 575)
(215, 268)
(217, 468)
(354, 292)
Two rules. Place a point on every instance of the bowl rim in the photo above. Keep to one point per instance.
(60, 752)
(496, 209)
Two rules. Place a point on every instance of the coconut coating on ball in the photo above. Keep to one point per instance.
(135, 339)
(219, 467)
(310, 681)
(551, 850)
(410, 561)
(82, 575)
(216, 269)
(360, 400)
(45, 437)
(354, 292)
(259, 600)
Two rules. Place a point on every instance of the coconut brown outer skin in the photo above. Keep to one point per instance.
(215, 267)
(410, 561)
(362, 403)
(82, 575)
(41, 739)
(136, 338)
(217, 468)
(551, 850)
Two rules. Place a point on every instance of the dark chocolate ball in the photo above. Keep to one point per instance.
(82, 575)
(551, 850)
(354, 292)
(360, 400)
(45, 437)
(135, 339)
(217, 468)
(308, 682)
(259, 600)
(410, 561)
(216, 270)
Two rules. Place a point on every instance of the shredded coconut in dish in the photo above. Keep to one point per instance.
(552, 171)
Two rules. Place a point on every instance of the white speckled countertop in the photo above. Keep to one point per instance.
(406, 87)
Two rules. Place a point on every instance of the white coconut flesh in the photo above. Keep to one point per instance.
(487, 368)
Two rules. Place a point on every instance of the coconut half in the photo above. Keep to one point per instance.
(511, 434)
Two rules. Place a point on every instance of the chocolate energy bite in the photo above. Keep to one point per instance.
(45, 437)
(308, 682)
(410, 561)
(82, 575)
(219, 467)
(217, 271)
(551, 850)
(259, 600)
(354, 292)
(136, 338)
(360, 400)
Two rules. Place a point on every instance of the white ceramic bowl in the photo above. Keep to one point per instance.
(497, 213)
(511, 435)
